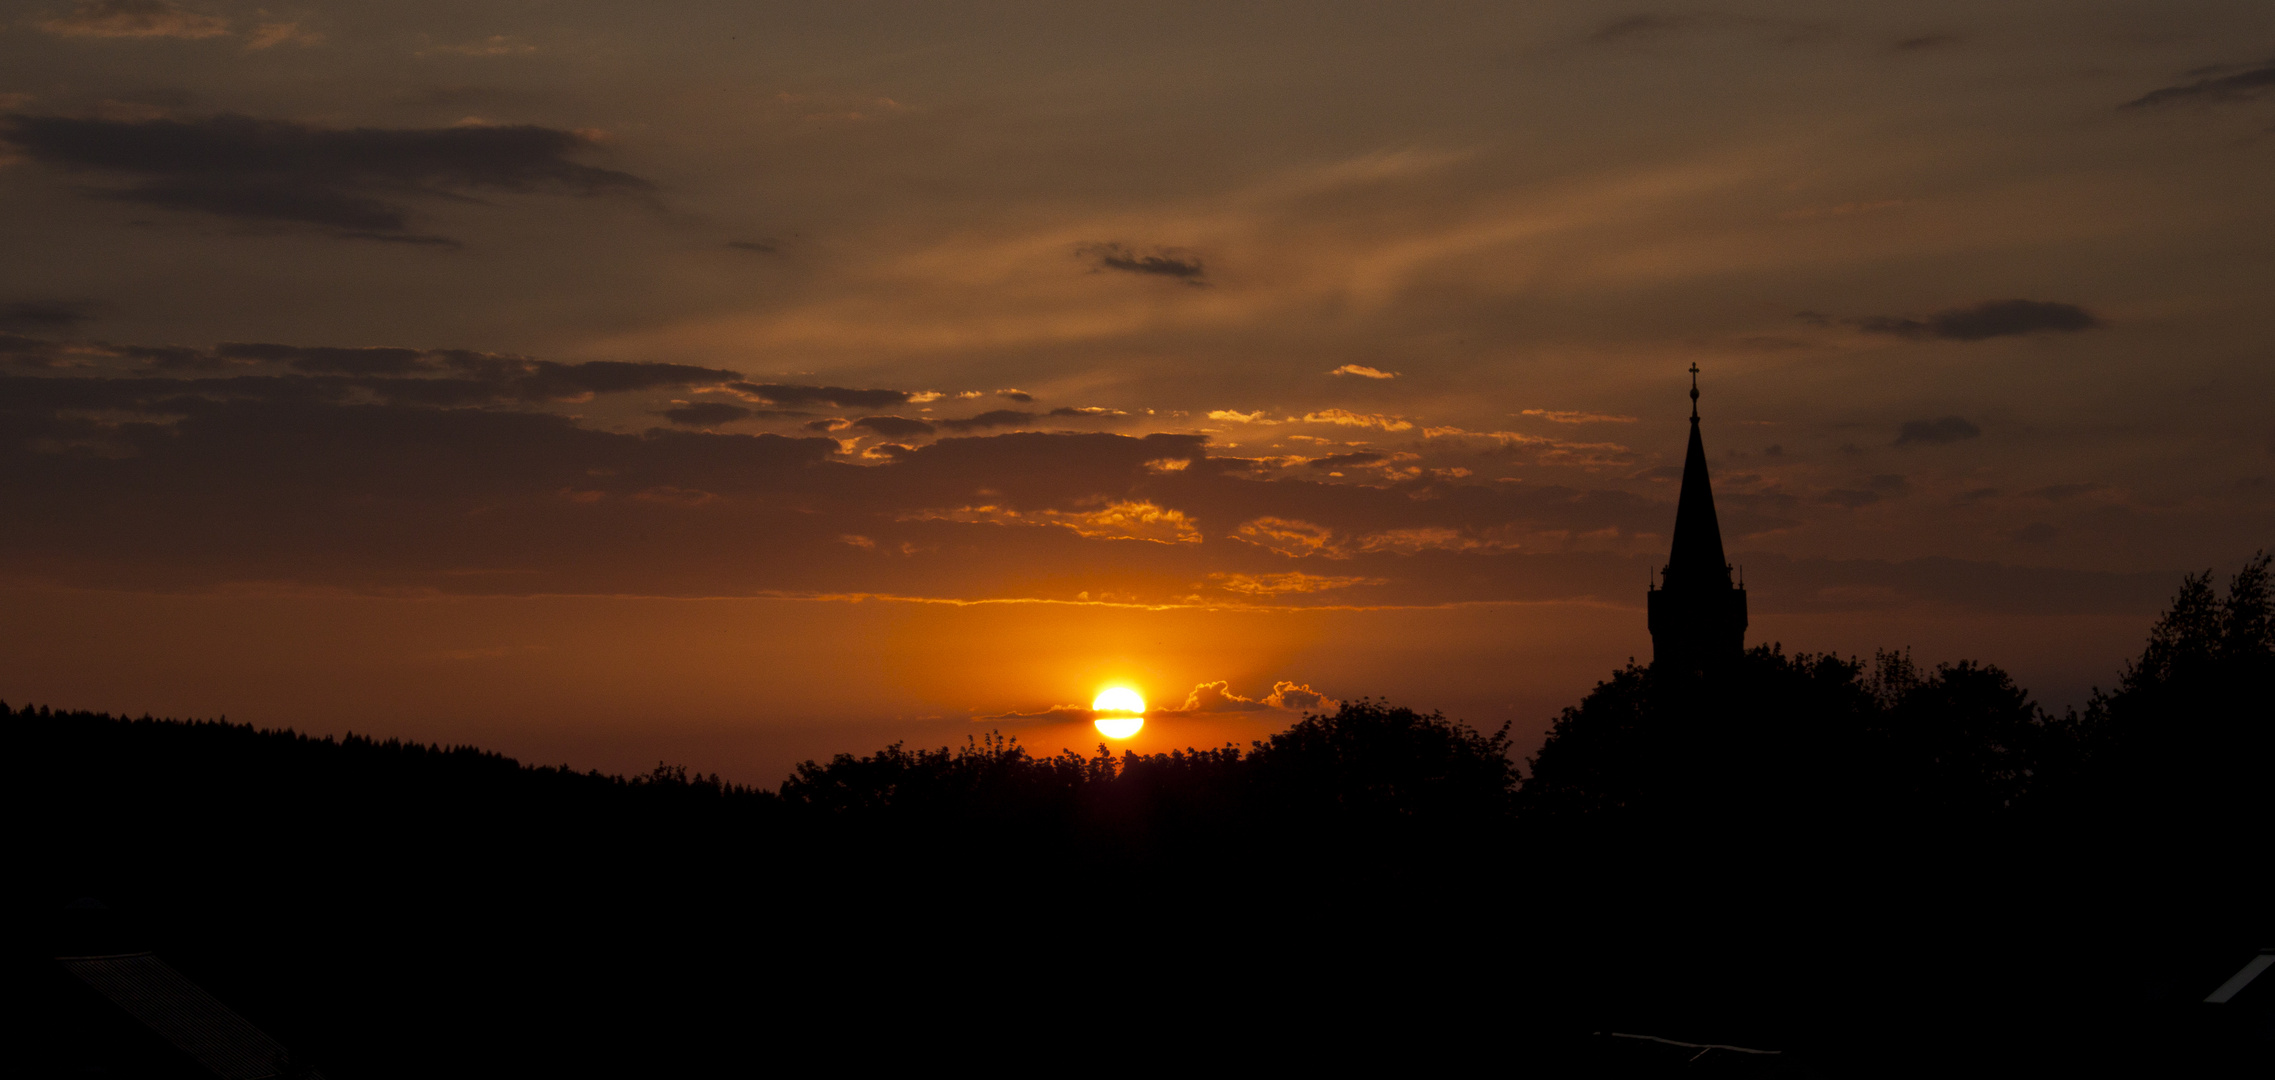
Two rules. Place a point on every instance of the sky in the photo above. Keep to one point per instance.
(735, 384)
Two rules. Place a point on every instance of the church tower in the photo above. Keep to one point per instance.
(1697, 613)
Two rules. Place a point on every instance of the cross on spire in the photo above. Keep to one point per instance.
(1694, 393)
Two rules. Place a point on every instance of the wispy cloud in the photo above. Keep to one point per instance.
(1168, 262)
(1291, 582)
(1989, 319)
(348, 180)
(1560, 416)
(2240, 86)
(134, 19)
(1936, 432)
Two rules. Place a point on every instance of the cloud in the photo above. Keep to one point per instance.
(1364, 372)
(706, 414)
(1347, 418)
(1017, 395)
(2237, 87)
(1627, 27)
(348, 180)
(271, 35)
(894, 427)
(1056, 713)
(1290, 537)
(786, 394)
(494, 45)
(763, 247)
(993, 419)
(1176, 263)
(438, 377)
(1217, 697)
(1291, 582)
(1558, 416)
(42, 316)
(1351, 460)
(1091, 411)
(1121, 520)
(1256, 417)
(1294, 696)
(134, 19)
(332, 360)
(1414, 541)
(1936, 432)
(1992, 318)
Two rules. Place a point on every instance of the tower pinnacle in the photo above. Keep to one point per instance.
(1697, 614)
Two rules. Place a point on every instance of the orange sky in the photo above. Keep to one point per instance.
(605, 382)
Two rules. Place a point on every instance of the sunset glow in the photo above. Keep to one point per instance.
(1118, 699)
(1125, 712)
(889, 395)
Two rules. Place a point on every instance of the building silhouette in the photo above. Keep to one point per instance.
(1697, 612)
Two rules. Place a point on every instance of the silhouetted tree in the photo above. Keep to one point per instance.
(2189, 732)
(1790, 745)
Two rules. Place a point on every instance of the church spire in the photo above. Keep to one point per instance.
(1697, 614)
(1697, 555)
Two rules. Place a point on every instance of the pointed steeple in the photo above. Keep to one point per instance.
(1697, 555)
(1697, 614)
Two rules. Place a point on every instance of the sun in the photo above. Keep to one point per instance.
(1125, 709)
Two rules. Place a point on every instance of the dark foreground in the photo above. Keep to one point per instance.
(1868, 873)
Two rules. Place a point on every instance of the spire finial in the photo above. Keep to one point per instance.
(1694, 393)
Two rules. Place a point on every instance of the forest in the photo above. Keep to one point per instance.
(1870, 866)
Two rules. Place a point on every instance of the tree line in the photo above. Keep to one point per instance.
(2012, 869)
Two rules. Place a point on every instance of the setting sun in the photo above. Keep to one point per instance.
(1127, 708)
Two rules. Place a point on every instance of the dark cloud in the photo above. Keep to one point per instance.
(544, 380)
(2237, 87)
(785, 394)
(763, 247)
(383, 481)
(894, 427)
(1020, 396)
(349, 180)
(1091, 411)
(706, 414)
(1992, 318)
(441, 377)
(27, 352)
(172, 357)
(993, 419)
(42, 316)
(1936, 432)
(1350, 460)
(1165, 262)
(2059, 492)
(1641, 25)
(332, 360)
(134, 19)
